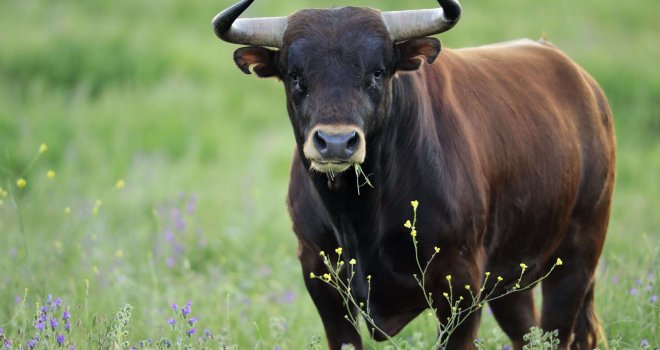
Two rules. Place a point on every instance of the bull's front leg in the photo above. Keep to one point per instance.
(465, 275)
(331, 307)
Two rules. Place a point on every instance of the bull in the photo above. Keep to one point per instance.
(509, 147)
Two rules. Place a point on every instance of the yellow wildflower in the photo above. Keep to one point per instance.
(21, 183)
(3, 193)
(413, 233)
(119, 253)
(338, 251)
(467, 286)
(559, 262)
(523, 266)
(445, 295)
(312, 275)
(67, 210)
(120, 184)
(499, 278)
(407, 224)
(448, 277)
(414, 204)
(326, 277)
(487, 274)
(322, 253)
(50, 174)
(352, 262)
(97, 207)
(368, 277)
(43, 148)
(437, 250)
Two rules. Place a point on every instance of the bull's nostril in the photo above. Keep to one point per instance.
(353, 142)
(319, 142)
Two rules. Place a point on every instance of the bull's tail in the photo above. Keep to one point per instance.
(588, 329)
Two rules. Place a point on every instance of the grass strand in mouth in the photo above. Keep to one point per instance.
(330, 174)
(358, 172)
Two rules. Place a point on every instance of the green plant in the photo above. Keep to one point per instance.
(458, 312)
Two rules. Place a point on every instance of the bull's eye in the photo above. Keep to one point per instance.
(376, 77)
(296, 82)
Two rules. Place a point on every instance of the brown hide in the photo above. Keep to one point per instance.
(509, 149)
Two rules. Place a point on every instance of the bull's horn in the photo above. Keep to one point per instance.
(404, 25)
(248, 31)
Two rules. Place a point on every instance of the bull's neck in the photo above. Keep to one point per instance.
(401, 165)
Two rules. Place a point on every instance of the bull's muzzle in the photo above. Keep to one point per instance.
(334, 148)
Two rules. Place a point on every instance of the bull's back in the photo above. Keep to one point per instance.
(540, 132)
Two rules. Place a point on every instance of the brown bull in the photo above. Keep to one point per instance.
(509, 148)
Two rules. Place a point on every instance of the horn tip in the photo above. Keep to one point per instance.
(452, 9)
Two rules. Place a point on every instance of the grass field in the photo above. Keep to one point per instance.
(170, 170)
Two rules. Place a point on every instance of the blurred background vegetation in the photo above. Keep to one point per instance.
(143, 91)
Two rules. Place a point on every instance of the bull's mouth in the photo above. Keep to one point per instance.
(330, 167)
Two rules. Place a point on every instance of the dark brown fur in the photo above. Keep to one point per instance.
(508, 148)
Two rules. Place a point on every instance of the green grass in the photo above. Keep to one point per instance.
(143, 91)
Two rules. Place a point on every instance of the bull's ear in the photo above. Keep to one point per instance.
(410, 53)
(260, 59)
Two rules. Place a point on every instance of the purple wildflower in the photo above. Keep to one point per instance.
(207, 333)
(171, 322)
(634, 291)
(60, 339)
(66, 315)
(191, 331)
(179, 223)
(1, 331)
(71, 347)
(653, 298)
(32, 343)
(56, 304)
(53, 323)
(191, 207)
(638, 282)
(40, 325)
(507, 347)
(175, 307)
(288, 297)
(186, 309)
(7, 344)
(614, 280)
(67, 326)
(169, 236)
(192, 320)
(644, 344)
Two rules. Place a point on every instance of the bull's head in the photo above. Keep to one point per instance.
(337, 67)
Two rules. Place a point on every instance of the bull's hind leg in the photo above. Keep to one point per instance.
(516, 314)
(568, 291)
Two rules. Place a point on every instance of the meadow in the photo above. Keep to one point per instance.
(140, 167)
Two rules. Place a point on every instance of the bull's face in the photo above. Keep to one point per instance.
(337, 67)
